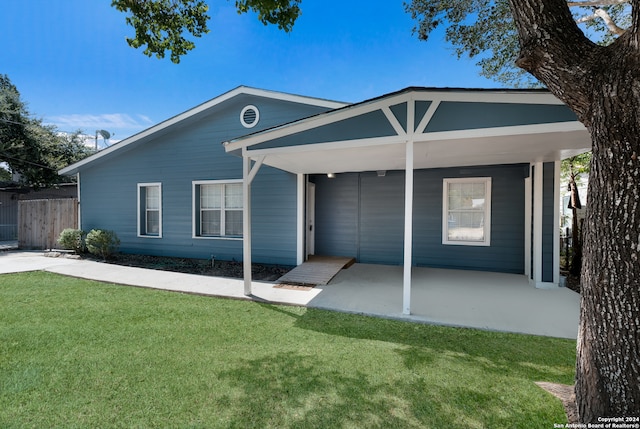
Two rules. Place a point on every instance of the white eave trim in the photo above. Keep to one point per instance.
(201, 108)
(385, 102)
(419, 138)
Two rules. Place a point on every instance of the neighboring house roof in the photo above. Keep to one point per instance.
(169, 124)
(451, 127)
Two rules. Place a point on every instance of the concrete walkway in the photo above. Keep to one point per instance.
(493, 301)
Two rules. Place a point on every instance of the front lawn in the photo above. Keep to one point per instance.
(82, 354)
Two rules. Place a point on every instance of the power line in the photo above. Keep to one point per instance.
(26, 162)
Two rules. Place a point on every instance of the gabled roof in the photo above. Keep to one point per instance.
(450, 127)
(165, 126)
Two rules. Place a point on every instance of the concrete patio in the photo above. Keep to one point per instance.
(493, 301)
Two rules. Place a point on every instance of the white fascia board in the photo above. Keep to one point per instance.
(343, 144)
(555, 127)
(199, 109)
(437, 136)
(383, 103)
(489, 96)
(316, 121)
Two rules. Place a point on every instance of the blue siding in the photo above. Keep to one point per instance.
(362, 215)
(382, 218)
(452, 116)
(368, 125)
(337, 214)
(175, 159)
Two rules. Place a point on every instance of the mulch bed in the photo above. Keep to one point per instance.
(203, 267)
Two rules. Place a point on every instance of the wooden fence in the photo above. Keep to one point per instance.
(40, 222)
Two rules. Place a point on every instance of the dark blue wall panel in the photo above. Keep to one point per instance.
(362, 215)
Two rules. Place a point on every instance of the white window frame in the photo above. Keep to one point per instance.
(487, 211)
(143, 233)
(195, 195)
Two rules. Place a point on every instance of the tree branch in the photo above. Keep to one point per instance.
(596, 3)
(602, 14)
(556, 51)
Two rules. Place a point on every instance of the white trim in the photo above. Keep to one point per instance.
(241, 90)
(409, 95)
(344, 144)
(487, 211)
(527, 225)
(556, 223)
(427, 117)
(194, 226)
(246, 224)
(301, 184)
(419, 138)
(79, 206)
(394, 121)
(138, 217)
(244, 110)
(537, 222)
(514, 130)
(255, 168)
(302, 125)
(408, 230)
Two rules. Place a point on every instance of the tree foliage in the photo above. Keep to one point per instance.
(572, 170)
(167, 25)
(33, 150)
(485, 30)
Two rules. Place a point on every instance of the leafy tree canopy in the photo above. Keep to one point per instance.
(165, 25)
(33, 150)
(485, 30)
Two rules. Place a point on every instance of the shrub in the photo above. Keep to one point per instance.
(102, 243)
(72, 239)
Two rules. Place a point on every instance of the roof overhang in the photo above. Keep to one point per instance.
(183, 119)
(296, 148)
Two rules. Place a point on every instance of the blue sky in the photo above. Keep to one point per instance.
(71, 63)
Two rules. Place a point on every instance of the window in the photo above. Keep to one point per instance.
(467, 211)
(150, 210)
(217, 208)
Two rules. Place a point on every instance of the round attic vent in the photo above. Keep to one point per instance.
(249, 116)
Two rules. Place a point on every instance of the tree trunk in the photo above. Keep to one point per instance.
(602, 86)
(576, 233)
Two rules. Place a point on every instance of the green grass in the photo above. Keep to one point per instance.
(81, 354)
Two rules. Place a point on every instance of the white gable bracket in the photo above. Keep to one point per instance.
(427, 116)
(393, 121)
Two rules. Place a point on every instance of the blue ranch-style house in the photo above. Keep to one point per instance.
(449, 178)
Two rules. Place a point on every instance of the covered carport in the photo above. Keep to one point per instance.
(421, 128)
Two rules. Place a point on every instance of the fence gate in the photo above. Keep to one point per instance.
(40, 222)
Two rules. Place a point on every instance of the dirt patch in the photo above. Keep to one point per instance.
(566, 394)
(571, 282)
(203, 267)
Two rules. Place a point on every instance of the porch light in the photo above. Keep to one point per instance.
(331, 175)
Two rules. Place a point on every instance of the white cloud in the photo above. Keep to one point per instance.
(105, 121)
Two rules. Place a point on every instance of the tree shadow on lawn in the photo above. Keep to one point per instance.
(501, 370)
(530, 356)
(292, 390)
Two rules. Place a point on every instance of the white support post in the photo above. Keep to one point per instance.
(408, 230)
(527, 226)
(79, 199)
(300, 226)
(537, 223)
(248, 174)
(246, 224)
(556, 223)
